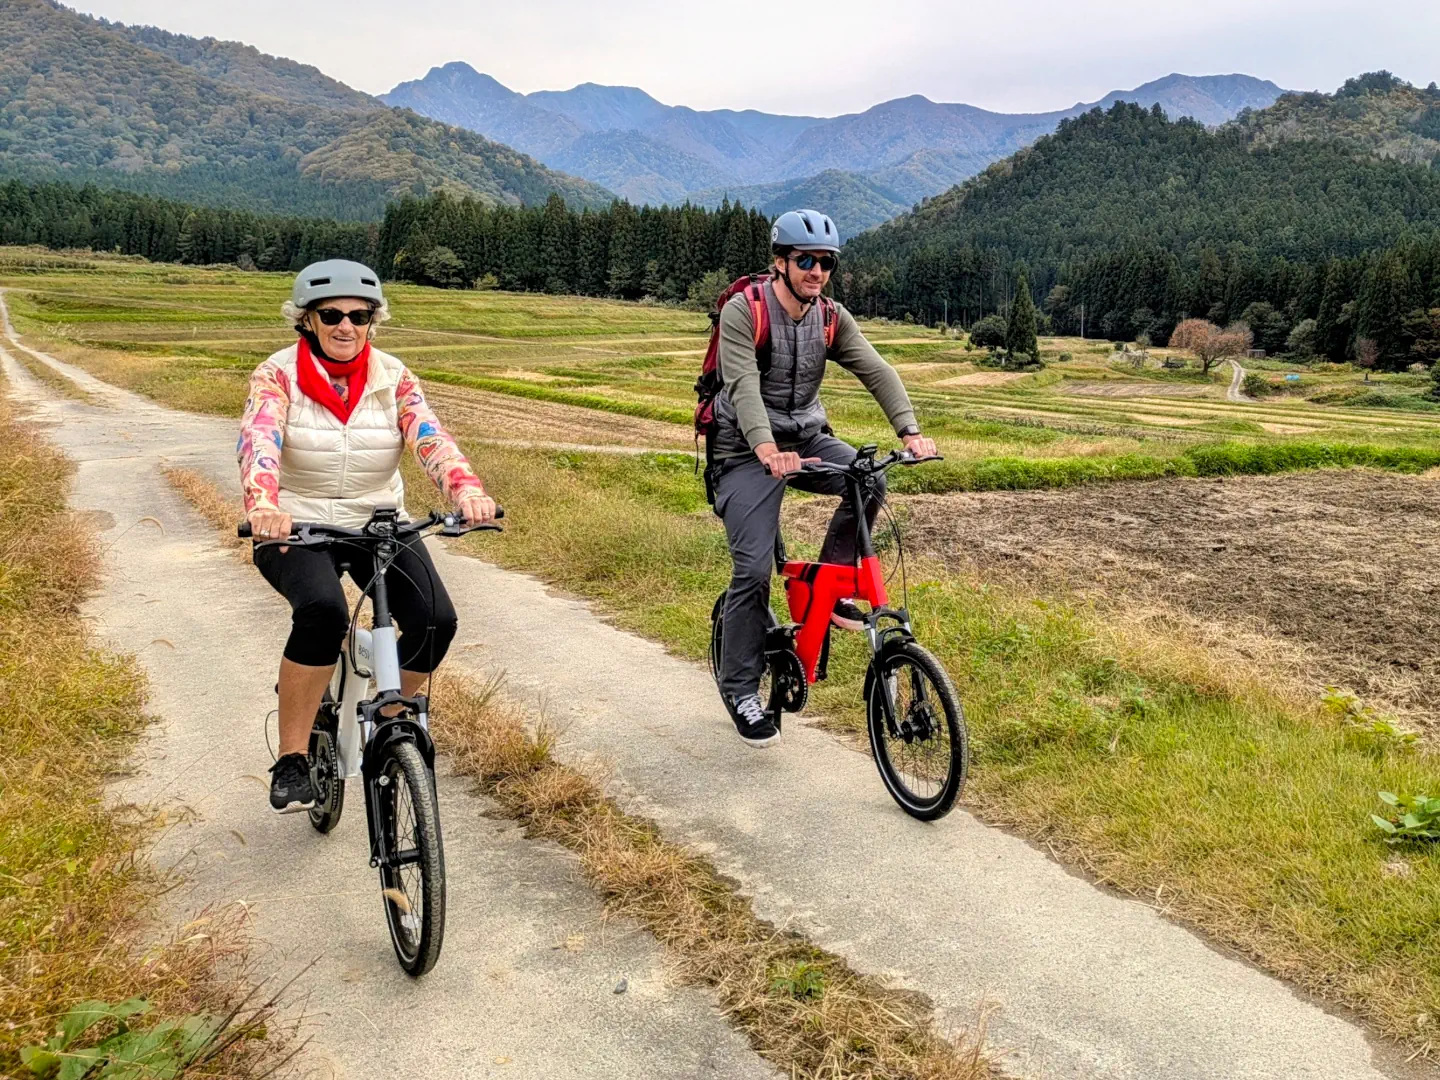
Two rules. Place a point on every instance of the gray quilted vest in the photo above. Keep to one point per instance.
(790, 389)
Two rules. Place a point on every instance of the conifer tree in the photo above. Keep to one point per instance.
(1384, 300)
(1020, 336)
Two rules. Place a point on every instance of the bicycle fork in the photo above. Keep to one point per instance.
(378, 731)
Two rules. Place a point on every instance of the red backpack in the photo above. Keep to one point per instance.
(710, 383)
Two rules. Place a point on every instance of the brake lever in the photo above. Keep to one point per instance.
(455, 526)
(461, 530)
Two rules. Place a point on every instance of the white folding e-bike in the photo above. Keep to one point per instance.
(393, 755)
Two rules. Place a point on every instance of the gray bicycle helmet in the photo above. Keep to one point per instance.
(804, 230)
(335, 278)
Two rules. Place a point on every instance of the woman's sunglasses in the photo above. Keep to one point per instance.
(807, 261)
(335, 316)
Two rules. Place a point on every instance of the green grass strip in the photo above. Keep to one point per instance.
(560, 397)
(1221, 459)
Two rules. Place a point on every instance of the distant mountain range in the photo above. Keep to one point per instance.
(873, 164)
(220, 123)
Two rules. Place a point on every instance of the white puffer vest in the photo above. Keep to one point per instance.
(339, 473)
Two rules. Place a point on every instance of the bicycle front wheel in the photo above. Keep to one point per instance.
(412, 877)
(920, 743)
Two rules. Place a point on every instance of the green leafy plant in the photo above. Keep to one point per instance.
(154, 1053)
(1413, 817)
(1362, 720)
(801, 980)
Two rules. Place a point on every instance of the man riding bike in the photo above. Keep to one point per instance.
(768, 422)
(324, 428)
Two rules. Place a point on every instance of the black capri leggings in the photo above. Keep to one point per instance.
(310, 580)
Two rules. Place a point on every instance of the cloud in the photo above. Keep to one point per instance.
(840, 57)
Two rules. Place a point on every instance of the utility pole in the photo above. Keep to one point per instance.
(1082, 320)
(947, 313)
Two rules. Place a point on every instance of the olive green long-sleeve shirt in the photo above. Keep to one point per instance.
(851, 351)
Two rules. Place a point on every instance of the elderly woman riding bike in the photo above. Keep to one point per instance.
(324, 429)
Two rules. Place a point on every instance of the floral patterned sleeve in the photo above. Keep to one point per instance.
(434, 447)
(262, 434)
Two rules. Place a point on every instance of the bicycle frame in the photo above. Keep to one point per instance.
(812, 588)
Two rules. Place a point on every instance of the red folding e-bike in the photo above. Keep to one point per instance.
(917, 727)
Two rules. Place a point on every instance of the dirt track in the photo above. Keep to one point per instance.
(1339, 563)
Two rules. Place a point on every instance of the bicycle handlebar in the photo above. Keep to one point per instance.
(875, 465)
(318, 534)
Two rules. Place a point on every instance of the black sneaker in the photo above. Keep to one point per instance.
(290, 789)
(753, 722)
(847, 615)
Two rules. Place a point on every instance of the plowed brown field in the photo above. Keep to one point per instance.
(1340, 567)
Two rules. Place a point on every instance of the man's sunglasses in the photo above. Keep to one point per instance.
(335, 316)
(808, 261)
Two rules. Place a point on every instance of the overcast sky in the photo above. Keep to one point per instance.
(827, 58)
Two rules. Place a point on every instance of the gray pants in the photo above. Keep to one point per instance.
(747, 499)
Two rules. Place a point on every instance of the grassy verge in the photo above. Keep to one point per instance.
(75, 899)
(802, 1008)
(1135, 754)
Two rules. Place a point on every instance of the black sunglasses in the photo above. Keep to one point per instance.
(808, 261)
(335, 316)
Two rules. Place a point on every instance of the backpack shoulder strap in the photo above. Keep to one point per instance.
(759, 313)
(831, 315)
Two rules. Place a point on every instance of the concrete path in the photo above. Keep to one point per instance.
(1086, 984)
(1233, 392)
(525, 986)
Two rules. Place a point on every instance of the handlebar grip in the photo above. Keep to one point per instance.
(243, 531)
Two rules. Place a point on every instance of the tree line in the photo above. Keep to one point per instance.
(623, 251)
(57, 215)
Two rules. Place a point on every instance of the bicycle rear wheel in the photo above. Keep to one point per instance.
(412, 878)
(922, 750)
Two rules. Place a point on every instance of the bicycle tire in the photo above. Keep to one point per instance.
(943, 759)
(410, 819)
(325, 778)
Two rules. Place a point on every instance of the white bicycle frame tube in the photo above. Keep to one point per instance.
(350, 686)
(377, 657)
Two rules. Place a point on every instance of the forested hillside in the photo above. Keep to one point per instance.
(84, 100)
(1145, 222)
(247, 68)
(1372, 114)
(622, 251)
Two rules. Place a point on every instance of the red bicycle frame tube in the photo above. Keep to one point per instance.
(812, 589)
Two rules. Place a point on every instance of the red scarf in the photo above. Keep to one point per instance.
(319, 389)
